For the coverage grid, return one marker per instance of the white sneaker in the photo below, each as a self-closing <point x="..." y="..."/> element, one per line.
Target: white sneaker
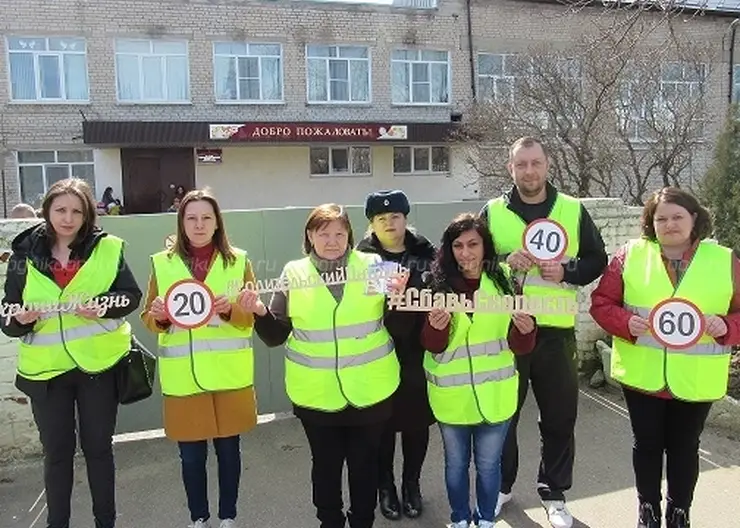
<point x="227" y="523"/>
<point x="558" y="514"/>
<point x="503" y="498"/>
<point x="200" y="523"/>
<point x="485" y="524"/>
<point x="460" y="524"/>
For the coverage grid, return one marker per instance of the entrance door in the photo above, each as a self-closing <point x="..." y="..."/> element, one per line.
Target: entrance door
<point x="150" y="177"/>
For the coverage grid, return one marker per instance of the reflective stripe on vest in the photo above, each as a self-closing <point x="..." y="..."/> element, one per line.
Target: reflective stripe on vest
<point x="342" y="347"/>
<point x="62" y="340"/>
<point x="699" y="373"/>
<point x="475" y="378"/>
<point x="507" y="230"/>
<point x="700" y="349"/>
<point x="216" y="356"/>
<point x="92" y="329"/>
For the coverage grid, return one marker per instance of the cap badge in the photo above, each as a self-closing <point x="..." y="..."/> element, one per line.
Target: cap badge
<point x="386" y="202"/>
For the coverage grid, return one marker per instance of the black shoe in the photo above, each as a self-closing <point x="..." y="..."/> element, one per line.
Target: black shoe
<point x="648" y="516"/>
<point x="389" y="505"/>
<point x="412" y="506"/>
<point x="677" y="518"/>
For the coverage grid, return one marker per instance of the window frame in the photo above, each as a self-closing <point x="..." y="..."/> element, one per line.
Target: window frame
<point x="349" y="173"/>
<point x="248" y="43"/>
<point x="409" y="62"/>
<point x="56" y="162"/>
<point x="139" y="55"/>
<point x="429" y="172"/>
<point x="37" y="73"/>
<point x="329" y="101"/>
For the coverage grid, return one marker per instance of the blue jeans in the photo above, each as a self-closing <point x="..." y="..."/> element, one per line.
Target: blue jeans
<point x="193" y="456"/>
<point x="487" y="441"/>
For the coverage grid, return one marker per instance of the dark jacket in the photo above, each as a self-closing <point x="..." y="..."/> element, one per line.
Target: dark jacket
<point x="411" y="408"/>
<point x="592" y="258"/>
<point x="33" y="244"/>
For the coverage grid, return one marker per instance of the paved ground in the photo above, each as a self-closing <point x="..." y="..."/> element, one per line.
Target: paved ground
<point x="275" y="489"/>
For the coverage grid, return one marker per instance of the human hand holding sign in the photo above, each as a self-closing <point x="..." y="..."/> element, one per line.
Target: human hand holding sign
<point x="551" y="271"/>
<point x="638" y="325"/>
<point x="87" y="312"/>
<point x="222" y="305"/>
<point x="716" y="326"/>
<point x="27" y="316"/>
<point x="157" y="311"/>
<point x="438" y="318"/>
<point x="250" y="300"/>
<point x="521" y="260"/>
<point x="523" y="322"/>
<point x="397" y="282"/>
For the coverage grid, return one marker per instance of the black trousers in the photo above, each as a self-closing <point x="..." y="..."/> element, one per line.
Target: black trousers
<point x="665" y="426"/>
<point x="94" y="401"/>
<point x="330" y="447"/>
<point x="414" y="444"/>
<point x="551" y="370"/>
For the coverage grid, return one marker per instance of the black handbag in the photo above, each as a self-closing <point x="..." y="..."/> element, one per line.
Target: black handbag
<point x="135" y="374"/>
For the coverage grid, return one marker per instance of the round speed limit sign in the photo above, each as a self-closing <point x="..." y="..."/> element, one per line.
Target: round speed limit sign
<point x="677" y="323"/>
<point x="189" y="303"/>
<point x="545" y="239"/>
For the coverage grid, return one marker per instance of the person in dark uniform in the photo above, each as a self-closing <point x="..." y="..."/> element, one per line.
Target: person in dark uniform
<point x="392" y="238"/>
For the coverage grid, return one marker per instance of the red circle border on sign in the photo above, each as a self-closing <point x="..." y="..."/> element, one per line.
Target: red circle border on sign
<point x="702" y="323"/>
<point x="540" y="221"/>
<point x="167" y="310"/>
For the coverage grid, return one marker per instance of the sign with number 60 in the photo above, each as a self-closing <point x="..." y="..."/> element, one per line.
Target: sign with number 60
<point x="189" y="303"/>
<point x="677" y="323"/>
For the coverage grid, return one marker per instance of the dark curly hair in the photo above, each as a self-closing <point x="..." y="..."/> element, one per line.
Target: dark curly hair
<point x="702" y="225"/>
<point x="445" y="268"/>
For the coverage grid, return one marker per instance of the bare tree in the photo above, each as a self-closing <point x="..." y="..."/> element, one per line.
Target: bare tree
<point x="618" y="113"/>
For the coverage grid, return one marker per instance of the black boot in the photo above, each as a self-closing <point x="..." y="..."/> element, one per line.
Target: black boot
<point x="649" y="517"/>
<point x="390" y="508"/>
<point x="676" y="517"/>
<point x="412" y="506"/>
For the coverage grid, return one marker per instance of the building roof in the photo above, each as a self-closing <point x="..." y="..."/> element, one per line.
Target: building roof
<point x="717" y="7"/>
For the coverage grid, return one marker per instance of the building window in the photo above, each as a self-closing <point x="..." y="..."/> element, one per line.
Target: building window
<point x="420" y="77"/>
<point x="496" y="76"/>
<point x="736" y="83"/>
<point x="338" y="74"/>
<point x="421" y="160"/>
<point x="340" y="161"/>
<point x="40" y="169"/>
<point x="248" y="72"/>
<point x="48" y="69"/>
<point x="152" y="71"/>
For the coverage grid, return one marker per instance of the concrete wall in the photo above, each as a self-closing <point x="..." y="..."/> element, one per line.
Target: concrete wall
<point x="17" y="431"/>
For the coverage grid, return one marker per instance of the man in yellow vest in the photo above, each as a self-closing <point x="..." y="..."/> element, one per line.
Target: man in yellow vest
<point x="551" y="367"/>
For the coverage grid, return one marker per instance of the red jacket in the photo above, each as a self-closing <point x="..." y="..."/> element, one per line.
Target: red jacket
<point x="607" y="301"/>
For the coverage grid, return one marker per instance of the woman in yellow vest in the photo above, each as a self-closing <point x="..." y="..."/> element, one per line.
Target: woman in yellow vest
<point x="206" y="373"/>
<point x="669" y="391"/>
<point x="66" y="356"/>
<point x="340" y="367"/>
<point x="472" y="378"/>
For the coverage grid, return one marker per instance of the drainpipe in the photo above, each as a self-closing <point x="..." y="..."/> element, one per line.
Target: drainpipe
<point x="733" y="27"/>
<point x="470" y="50"/>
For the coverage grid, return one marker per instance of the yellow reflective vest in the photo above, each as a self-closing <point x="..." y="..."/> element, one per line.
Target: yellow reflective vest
<point x="337" y="354"/>
<point x="475" y="379"/>
<point x="508" y="229"/>
<point x="699" y="373"/>
<point x="214" y="357"/>
<point x="60" y="340"/>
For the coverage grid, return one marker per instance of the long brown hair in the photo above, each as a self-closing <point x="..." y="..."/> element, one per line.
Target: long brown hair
<point x="220" y="240"/>
<point x="76" y="187"/>
<point x="325" y="214"/>
<point x="702" y="225"/>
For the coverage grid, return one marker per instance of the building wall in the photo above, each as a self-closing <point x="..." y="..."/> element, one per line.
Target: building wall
<point x="278" y="176"/>
<point x="505" y="25"/>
